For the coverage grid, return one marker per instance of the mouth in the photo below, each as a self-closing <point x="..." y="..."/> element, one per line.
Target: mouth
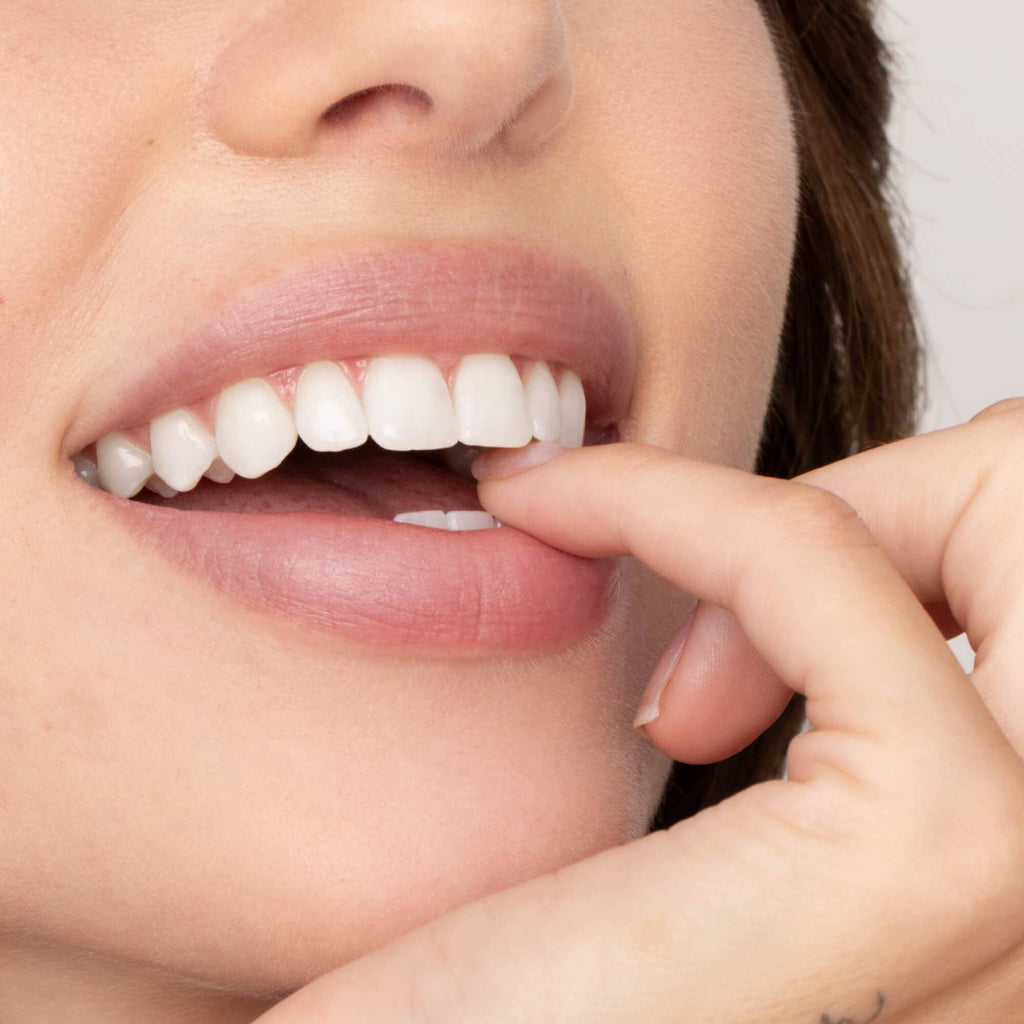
<point x="334" y="488"/>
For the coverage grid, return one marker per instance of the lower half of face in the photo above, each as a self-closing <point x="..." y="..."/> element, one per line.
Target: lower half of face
<point x="194" y="777"/>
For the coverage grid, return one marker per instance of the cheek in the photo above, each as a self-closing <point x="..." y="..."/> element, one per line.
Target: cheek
<point x="703" y="154"/>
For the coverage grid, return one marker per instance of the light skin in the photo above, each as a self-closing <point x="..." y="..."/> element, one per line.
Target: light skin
<point x="205" y="808"/>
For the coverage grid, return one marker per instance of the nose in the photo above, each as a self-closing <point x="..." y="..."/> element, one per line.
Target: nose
<point x="448" y="77"/>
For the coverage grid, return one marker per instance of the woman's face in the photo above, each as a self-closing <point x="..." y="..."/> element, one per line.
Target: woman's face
<point x="246" y="750"/>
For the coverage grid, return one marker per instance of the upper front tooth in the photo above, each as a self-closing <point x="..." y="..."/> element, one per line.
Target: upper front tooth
<point x="490" y="404"/>
<point x="407" y="404"/>
<point x="573" y="406"/>
<point x="183" y="449"/>
<point x="123" y="466"/>
<point x="255" y="430"/>
<point x="542" y="401"/>
<point x="328" y="413"/>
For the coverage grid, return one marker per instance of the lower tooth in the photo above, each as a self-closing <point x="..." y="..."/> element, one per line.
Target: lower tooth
<point x="454" y="522"/>
<point x="469" y="520"/>
<point x="434" y="519"/>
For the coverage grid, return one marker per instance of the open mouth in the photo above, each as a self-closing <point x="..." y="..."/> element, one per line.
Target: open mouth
<point x="391" y="437"/>
<point x="291" y="451"/>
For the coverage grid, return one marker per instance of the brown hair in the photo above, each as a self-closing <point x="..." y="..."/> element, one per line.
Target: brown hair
<point x="849" y="363"/>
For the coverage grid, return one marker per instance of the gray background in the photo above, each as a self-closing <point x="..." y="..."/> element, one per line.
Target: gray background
<point x="958" y="130"/>
<point x="959" y="134"/>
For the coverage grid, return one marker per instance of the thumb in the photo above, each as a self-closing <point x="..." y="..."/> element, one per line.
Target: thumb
<point x="621" y="937"/>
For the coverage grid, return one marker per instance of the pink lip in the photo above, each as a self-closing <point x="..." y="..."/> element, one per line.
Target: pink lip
<point x="429" y="298"/>
<point x="379" y="583"/>
<point x="367" y="580"/>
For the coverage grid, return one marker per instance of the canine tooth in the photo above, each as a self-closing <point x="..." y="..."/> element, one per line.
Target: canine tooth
<point x="328" y="413"/>
<point x="219" y="472"/>
<point x="469" y="520"/>
<point x="490" y="405"/>
<point x="573" y="406"/>
<point x="255" y="430"/>
<point x="183" y="449"/>
<point x="158" y="486"/>
<point x="542" y="401"/>
<point x="86" y="469"/>
<point x="122" y="465"/>
<point x="407" y="404"/>
<point x="434" y="519"/>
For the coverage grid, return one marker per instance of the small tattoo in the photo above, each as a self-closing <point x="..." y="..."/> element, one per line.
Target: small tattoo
<point x="827" y="1019"/>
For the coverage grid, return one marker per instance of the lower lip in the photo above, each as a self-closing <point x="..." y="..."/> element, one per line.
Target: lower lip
<point x="385" y="584"/>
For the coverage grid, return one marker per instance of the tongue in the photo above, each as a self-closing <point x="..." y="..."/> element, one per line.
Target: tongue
<point x="365" y="482"/>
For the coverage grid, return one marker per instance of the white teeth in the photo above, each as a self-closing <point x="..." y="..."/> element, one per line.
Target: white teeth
<point x="469" y="520"/>
<point x="454" y="522"/>
<point x="255" y="430"/>
<point x="157" y="486"/>
<point x="490" y="404"/>
<point x="123" y="466"/>
<point x="328" y="413"/>
<point x="86" y="469"/>
<point x="434" y="519"/>
<point x="183" y="449"/>
<point x="573" y="407"/>
<point x="219" y="473"/>
<point x="542" y="401"/>
<point x="407" y="404"/>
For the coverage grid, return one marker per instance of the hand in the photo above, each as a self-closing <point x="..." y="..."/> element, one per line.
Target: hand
<point x="885" y="877"/>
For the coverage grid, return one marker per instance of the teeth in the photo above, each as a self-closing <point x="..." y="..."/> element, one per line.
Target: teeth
<point x="407" y="404"/>
<point x="123" y="466"/>
<point x="454" y="522"/>
<point x="543" y="403"/>
<point x="490" y="404"/>
<point x="87" y="470"/>
<point x="434" y="519"/>
<point x="219" y="473"/>
<point x="255" y="430"/>
<point x="469" y="520"/>
<point x="328" y="413"/>
<point x="157" y="486"/>
<point x="183" y="449"/>
<point x="573" y="406"/>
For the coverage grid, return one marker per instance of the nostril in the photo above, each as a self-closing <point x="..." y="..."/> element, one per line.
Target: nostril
<point x="348" y="108"/>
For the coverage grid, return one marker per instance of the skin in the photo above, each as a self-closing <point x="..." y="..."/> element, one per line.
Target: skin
<point x="204" y="809"/>
<point x="887" y="867"/>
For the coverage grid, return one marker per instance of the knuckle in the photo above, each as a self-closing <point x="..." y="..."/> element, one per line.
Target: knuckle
<point x="811" y="516"/>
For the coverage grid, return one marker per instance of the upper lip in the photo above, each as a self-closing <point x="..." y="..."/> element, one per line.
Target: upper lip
<point x="429" y="298"/>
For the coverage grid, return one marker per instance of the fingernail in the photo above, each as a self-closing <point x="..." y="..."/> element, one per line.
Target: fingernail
<point x="650" y="703"/>
<point x="507" y="461"/>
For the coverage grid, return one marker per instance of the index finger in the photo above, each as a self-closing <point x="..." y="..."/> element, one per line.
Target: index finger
<point x="810" y="587"/>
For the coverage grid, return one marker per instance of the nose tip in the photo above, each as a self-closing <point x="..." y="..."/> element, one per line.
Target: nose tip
<point x="422" y="75"/>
